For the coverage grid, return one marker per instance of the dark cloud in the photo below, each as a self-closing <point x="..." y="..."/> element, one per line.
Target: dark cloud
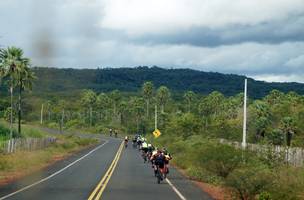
<point x="289" y="29"/>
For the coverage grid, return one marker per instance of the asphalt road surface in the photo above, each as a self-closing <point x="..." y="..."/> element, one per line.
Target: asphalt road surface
<point x="108" y="171"/>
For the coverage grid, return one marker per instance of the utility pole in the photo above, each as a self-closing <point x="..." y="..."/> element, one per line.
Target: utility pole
<point x="245" y="116"/>
<point x="41" y="115"/>
<point x="155" y="117"/>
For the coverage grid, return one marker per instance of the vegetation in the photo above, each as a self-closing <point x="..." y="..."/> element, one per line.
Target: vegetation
<point x="60" y="81"/>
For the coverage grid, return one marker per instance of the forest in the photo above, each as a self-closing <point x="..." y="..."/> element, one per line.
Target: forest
<point x="56" y="80"/>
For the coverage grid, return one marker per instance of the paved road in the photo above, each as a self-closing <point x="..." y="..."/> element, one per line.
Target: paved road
<point x="76" y="178"/>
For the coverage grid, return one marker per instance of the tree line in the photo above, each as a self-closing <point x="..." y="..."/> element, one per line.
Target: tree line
<point x="275" y="118"/>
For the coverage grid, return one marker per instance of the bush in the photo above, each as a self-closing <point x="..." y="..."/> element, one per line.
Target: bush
<point x="53" y="125"/>
<point x="84" y="141"/>
<point x="7" y="114"/>
<point x="75" y="123"/>
<point x="68" y="145"/>
<point x="288" y="183"/>
<point x="276" y="137"/>
<point x="220" y="159"/>
<point x="203" y="175"/>
<point x="5" y="132"/>
<point x="249" y="181"/>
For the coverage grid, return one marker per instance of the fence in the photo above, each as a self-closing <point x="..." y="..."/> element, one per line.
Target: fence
<point x="25" y="144"/>
<point x="291" y="155"/>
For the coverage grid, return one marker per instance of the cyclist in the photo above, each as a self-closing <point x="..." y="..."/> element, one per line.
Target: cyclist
<point x="168" y="157"/>
<point x="139" y="142"/>
<point x="134" y="141"/>
<point x="144" y="149"/>
<point x="150" y="150"/>
<point x="126" y="141"/>
<point x="159" y="163"/>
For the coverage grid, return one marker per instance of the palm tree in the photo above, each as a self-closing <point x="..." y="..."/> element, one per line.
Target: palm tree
<point x="147" y="90"/>
<point x="288" y="127"/>
<point x="163" y="95"/>
<point x="102" y="102"/>
<point x="25" y="78"/>
<point x="115" y="96"/>
<point x="11" y="62"/>
<point x="89" y="100"/>
<point x="189" y="97"/>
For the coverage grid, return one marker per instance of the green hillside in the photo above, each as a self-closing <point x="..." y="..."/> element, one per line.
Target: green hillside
<point x="131" y="79"/>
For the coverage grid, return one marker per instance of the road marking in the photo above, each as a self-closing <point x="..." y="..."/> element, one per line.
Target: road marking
<point x="54" y="174"/>
<point x="97" y="192"/>
<point x="175" y="190"/>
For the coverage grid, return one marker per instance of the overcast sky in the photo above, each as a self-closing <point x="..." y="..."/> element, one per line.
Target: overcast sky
<point x="263" y="39"/>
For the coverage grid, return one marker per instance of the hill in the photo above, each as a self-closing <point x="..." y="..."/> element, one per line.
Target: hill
<point x="130" y="79"/>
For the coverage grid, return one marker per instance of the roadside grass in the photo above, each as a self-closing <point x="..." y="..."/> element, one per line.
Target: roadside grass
<point x="245" y="175"/>
<point x="16" y="165"/>
<point x="26" y="131"/>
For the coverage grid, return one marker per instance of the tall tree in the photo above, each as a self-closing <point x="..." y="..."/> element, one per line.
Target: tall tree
<point x="11" y="62"/>
<point x="288" y="127"/>
<point x="122" y="111"/>
<point x="24" y="80"/>
<point x="88" y="100"/>
<point x="102" y="103"/>
<point x="136" y="107"/>
<point x="115" y="96"/>
<point x="147" y="91"/>
<point x="189" y="96"/>
<point x="163" y="96"/>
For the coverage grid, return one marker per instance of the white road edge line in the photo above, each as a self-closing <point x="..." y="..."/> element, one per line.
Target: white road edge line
<point x="175" y="190"/>
<point x="54" y="174"/>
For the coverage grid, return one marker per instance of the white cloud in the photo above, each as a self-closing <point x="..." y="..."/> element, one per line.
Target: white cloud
<point x="262" y="39"/>
<point x="280" y="78"/>
<point x="138" y="17"/>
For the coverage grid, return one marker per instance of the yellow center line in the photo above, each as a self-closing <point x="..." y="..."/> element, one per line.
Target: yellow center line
<point x="104" y="181"/>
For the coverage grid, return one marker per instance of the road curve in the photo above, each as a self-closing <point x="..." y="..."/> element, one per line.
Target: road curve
<point x="76" y="177"/>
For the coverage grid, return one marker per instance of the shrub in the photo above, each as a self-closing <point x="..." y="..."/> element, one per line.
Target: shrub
<point x="75" y="123"/>
<point x="249" y="181"/>
<point x="276" y="137"/>
<point x="53" y="125"/>
<point x="84" y="141"/>
<point x="203" y="175"/>
<point x="68" y="145"/>
<point x="7" y="114"/>
<point x="288" y="183"/>
<point x="220" y="159"/>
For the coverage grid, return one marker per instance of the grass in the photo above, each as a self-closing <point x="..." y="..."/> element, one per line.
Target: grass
<point x="26" y="131"/>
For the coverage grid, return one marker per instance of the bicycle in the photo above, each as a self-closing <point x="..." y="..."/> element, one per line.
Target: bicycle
<point x="144" y="156"/>
<point x="160" y="174"/>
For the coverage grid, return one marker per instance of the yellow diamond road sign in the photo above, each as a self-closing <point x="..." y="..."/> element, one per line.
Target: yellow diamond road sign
<point x="156" y="133"/>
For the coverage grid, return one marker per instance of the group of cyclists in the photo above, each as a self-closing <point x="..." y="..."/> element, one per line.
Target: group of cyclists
<point x="158" y="157"/>
<point x="113" y="132"/>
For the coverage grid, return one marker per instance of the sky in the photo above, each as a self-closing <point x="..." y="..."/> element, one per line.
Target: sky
<point x="263" y="39"/>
